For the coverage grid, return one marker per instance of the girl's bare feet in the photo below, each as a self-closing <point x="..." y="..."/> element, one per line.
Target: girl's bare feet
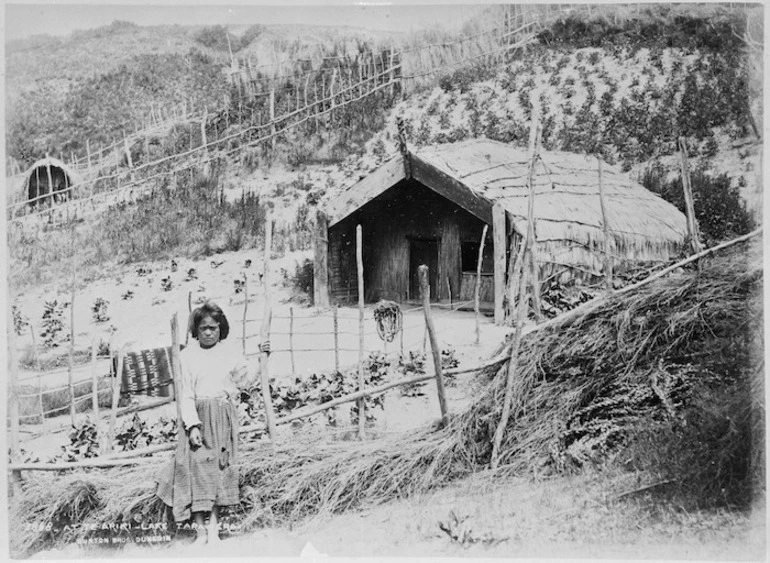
<point x="202" y="538"/>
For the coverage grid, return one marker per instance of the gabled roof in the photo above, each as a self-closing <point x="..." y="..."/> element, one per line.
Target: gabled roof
<point x="478" y="173"/>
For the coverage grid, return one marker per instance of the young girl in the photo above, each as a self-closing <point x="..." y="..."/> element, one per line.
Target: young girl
<point x="202" y="476"/>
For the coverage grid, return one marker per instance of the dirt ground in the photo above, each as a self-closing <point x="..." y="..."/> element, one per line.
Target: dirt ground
<point x="144" y="322"/>
<point x="566" y="518"/>
<point x="563" y="517"/>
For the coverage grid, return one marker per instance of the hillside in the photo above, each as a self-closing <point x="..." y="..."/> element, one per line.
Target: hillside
<point x="637" y="419"/>
<point x="102" y="84"/>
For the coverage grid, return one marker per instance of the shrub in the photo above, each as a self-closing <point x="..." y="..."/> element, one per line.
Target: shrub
<point x="719" y="209"/>
<point x="302" y="280"/>
<point x="216" y="37"/>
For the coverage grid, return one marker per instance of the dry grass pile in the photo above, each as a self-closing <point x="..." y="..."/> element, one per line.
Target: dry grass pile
<point x="664" y="379"/>
<point x="659" y="381"/>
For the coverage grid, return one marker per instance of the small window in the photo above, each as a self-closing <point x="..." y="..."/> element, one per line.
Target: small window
<point x="470" y="257"/>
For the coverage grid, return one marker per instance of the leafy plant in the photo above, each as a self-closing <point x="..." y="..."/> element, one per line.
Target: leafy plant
<point x="19" y="320"/>
<point x="52" y="324"/>
<point x="99" y="310"/>
<point x="136" y="434"/>
<point x="83" y="443"/>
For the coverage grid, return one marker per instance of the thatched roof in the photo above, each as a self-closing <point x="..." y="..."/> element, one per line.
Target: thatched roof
<point x="478" y="173"/>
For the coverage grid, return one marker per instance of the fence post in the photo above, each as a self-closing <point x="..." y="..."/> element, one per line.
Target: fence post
<point x="265" y="331"/>
<point x="115" y="399"/>
<point x="360" y="270"/>
<point x="692" y="224"/>
<point x="245" y="310"/>
<point x="606" y="228"/>
<point x="70" y="363"/>
<point x="203" y="130"/>
<point x="321" y="260"/>
<point x="531" y="240"/>
<point x="39" y="374"/>
<point x="291" y="339"/>
<point x="336" y="340"/>
<point x="176" y="375"/>
<point x="13" y="406"/>
<point x="478" y="280"/>
<point x="95" y="388"/>
<point x="272" y="118"/>
<point x="425" y="294"/>
<point x="498" y="240"/>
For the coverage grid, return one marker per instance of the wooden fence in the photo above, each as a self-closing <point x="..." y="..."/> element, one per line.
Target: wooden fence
<point x="111" y="176"/>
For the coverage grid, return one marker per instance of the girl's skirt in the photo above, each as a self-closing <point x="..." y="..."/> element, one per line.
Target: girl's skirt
<point x="198" y="479"/>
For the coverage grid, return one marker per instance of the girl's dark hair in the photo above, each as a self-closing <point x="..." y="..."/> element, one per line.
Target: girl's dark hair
<point x="208" y="310"/>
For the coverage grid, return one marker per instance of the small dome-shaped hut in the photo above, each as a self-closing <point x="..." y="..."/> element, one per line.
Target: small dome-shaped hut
<point x="48" y="179"/>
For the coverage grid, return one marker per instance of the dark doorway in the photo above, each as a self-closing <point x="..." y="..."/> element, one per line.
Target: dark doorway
<point x="423" y="251"/>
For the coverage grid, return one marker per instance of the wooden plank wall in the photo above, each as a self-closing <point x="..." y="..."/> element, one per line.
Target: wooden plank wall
<point x="407" y="211"/>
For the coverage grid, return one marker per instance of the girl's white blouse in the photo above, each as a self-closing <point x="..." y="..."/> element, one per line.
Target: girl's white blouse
<point x="217" y="372"/>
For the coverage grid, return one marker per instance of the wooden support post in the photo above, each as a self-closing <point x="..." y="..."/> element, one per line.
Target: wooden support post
<point x="128" y="152"/>
<point x="115" y="400"/>
<point x="321" y="260"/>
<point x="498" y="239"/>
<point x="360" y="270"/>
<point x="531" y="240"/>
<point x="71" y="359"/>
<point x="13" y="404"/>
<point x="204" y="142"/>
<point x="39" y="369"/>
<point x="606" y="229"/>
<point x="425" y="294"/>
<point x="520" y="309"/>
<point x="245" y="311"/>
<point x="50" y="179"/>
<point x="94" y="385"/>
<point x="478" y="281"/>
<point x="403" y="149"/>
<point x="689" y="204"/>
<point x="176" y="375"/>
<point x="291" y="340"/>
<point x="336" y="339"/>
<point x="272" y="118"/>
<point x="265" y="331"/>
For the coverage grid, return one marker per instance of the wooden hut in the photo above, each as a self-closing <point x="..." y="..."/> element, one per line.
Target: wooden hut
<point x="429" y="206"/>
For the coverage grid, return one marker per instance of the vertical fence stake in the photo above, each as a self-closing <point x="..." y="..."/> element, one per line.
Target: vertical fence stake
<point x="265" y="331"/>
<point x="72" y="334"/>
<point x="360" y="269"/>
<point x="38" y="367"/>
<point x="176" y="375"/>
<point x="336" y="340"/>
<point x="692" y="223"/>
<point x="606" y="228"/>
<point x="272" y="118"/>
<point x="95" y="388"/>
<point x="245" y="310"/>
<point x="115" y="399"/>
<point x="425" y="293"/>
<point x="13" y="406"/>
<point x="291" y="339"/>
<point x="478" y="280"/>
